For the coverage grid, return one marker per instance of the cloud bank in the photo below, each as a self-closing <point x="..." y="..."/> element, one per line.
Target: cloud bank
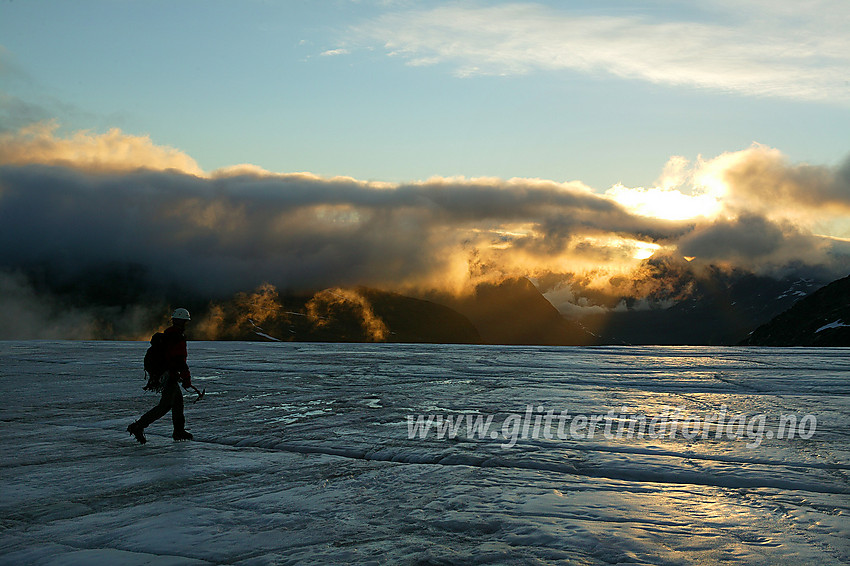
<point x="797" y="50"/>
<point x="72" y="207"/>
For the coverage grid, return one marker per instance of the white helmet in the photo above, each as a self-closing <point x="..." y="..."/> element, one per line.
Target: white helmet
<point x="181" y="314"/>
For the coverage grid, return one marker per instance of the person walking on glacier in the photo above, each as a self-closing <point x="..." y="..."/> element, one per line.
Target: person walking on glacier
<point x="166" y="363"/>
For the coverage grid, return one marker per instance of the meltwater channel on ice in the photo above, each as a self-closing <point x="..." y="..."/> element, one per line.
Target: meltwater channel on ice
<point x="428" y="454"/>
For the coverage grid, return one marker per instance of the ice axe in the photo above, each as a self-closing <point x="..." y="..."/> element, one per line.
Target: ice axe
<point x="200" y="393"/>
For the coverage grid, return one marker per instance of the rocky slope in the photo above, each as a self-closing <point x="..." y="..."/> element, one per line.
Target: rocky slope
<point x="822" y="319"/>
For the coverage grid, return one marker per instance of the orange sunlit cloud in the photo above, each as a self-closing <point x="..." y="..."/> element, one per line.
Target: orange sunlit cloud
<point x="236" y="228"/>
<point x="112" y="151"/>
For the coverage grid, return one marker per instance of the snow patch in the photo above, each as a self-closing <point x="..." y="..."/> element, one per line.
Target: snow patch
<point x="835" y="324"/>
<point x="259" y="332"/>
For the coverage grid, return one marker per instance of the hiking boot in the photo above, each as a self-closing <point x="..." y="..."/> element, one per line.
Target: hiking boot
<point x="138" y="431"/>
<point x="181" y="435"/>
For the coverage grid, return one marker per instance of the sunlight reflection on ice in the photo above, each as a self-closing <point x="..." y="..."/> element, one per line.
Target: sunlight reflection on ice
<point x="302" y="454"/>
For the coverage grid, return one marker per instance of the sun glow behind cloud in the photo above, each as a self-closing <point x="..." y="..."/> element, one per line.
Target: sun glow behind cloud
<point x="669" y="204"/>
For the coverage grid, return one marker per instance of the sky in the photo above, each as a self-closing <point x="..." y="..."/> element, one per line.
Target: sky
<point x="410" y="144"/>
<point x="601" y="92"/>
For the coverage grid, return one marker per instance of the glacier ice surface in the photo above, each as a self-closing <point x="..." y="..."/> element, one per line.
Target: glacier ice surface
<point x="302" y="455"/>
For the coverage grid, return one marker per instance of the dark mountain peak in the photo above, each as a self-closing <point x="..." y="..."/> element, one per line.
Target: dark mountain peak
<point x="821" y="319"/>
<point x="514" y="311"/>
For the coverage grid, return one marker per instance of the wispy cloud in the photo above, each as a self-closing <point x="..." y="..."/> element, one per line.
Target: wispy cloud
<point x="334" y="52"/>
<point x="799" y="50"/>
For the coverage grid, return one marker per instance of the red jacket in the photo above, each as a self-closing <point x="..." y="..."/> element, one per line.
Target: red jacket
<point x="177" y="354"/>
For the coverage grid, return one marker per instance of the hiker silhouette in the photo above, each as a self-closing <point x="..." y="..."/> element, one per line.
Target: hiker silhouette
<point x="176" y="373"/>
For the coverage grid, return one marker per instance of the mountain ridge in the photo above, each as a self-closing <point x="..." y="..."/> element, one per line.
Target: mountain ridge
<point x="820" y="319"/>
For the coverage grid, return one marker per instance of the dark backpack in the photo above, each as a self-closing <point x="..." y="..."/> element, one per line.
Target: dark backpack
<point x="156" y="362"/>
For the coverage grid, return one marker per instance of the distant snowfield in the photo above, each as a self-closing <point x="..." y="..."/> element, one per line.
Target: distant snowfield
<point x="302" y="456"/>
